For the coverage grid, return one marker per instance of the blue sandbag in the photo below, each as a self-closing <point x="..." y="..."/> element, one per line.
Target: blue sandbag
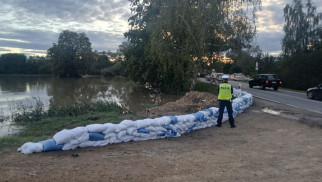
<point x="238" y="109"/>
<point x="211" y="112"/>
<point x="200" y="117"/>
<point x="143" y="130"/>
<point x="174" y="120"/>
<point x="163" y="133"/>
<point x="50" y="145"/>
<point x="190" y="128"/>
<point x="170" y="135"/>
<point x="174" y="132"/>
<point x="95" y="136"/>
<point x="167" y="127"/>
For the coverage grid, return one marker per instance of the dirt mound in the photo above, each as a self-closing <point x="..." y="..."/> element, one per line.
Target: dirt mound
<point x="192" y="102"/>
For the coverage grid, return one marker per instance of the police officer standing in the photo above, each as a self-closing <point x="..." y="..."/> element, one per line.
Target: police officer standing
<point x="224" y="97"/>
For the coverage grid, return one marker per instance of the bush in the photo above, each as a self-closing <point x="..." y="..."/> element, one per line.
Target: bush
<point x="33" y="110"/>
<point x="114" y="70"/>
<point x="206" y="87"/>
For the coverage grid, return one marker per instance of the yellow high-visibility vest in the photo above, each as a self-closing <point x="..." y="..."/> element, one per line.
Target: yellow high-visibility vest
<point x="225" y="92"/>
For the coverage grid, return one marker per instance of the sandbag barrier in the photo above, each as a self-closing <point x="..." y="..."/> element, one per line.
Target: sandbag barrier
<point x="164" y="127"/>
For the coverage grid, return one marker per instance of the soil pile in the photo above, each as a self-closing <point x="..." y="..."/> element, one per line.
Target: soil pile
<point x="192" y="102"/>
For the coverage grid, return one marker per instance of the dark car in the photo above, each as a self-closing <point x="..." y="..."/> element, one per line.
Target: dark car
<point x="315" y="92"/>
<point x="265" y="80"/>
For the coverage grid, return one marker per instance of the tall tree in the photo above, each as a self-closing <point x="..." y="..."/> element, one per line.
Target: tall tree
<point x="169" y="37"/>
<point x="301" y="60"/>
<point x="300" y="27"/>
<point x="13" y="63"/>
<point x="71" y="55"/>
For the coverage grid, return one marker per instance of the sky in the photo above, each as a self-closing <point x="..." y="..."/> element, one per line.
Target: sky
<point x="32" y="26"/>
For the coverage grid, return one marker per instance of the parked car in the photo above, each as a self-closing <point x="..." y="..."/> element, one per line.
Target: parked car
<point x="315" y="92"/>
<point x="265" y="80"/>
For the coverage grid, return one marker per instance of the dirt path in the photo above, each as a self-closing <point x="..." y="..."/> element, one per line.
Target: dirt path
<point x="272" y="142"/>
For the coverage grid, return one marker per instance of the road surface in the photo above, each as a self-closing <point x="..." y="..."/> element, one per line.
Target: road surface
<point x="286" y="97"/>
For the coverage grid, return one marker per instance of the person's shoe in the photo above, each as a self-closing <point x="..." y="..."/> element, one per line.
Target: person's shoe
<point x="233" y="126"/>
<point x="218" y="125"/>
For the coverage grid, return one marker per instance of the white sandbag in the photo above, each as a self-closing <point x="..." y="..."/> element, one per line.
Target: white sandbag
<point x="151" y="122"/>
<point x="80" y="139"/>
<point x="136" y="134"/>
<point x="69" y="146"/>
<point x="94" y="143"/>
<point x="110" y="135"/>
<point x="66" y="136"/>
<point x="165" y="120"/>
<point x="114" y="140"/>
<point x="152" y="128"/>
<point x="110" y="128"/>
<point x="79" y="131"/>
<point x="127" y="138"/>
<point x="74" y="143"/>
<point x="238" y="100"/>
<point x="63" y="136"/>
<point x="30" y="147"/>
<point x="189" y="117"/>
<point x="120" y="127"/>
<point x="96" y="127"/>
<point x="130" y="130"/>
<point x="121" y="134"/>
<point x="141" y="124"/>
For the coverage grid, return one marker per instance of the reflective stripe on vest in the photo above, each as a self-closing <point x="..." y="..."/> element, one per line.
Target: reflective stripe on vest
<point x="225" y="91"/>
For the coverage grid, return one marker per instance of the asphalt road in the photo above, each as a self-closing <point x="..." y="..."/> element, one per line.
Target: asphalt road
<point x="286" y="97"/>
<point x="290" y="98"/>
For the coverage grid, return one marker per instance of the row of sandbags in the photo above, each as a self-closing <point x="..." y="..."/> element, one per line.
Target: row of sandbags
<point x="128" y="130"/>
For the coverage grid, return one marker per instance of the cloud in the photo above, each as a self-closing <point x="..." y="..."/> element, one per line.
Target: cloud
<point x="4" y="49"/>
<point x="270" y="42"/>
<point x="71" y="10"/>
<point x="103" y="41"/>
<point x="36" y="24"/>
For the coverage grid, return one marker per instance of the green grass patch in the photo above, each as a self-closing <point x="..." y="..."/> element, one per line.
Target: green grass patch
<point x="206" y="87"/>
<point x="64" y="117"/>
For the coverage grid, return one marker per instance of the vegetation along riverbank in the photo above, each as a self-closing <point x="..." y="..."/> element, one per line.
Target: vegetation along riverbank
<point x="38" y="124"/>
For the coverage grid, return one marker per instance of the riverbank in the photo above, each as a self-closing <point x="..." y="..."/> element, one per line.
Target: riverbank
<point x="272" y="142"/>
<point x="36" y="123"/>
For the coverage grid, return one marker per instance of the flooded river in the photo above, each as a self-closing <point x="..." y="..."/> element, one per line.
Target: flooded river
<point x="25" y="89"/>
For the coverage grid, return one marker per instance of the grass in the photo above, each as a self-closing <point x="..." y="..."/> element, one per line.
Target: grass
<point x="47" y="123"/>
<point x="206" y="87"/>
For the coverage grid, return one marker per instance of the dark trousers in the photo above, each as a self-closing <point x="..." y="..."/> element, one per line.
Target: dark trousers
<point x="222" y="105"/>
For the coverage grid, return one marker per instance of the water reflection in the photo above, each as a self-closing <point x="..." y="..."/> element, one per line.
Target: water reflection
<point x="122" y="91"/>
<point x="65" y="91"/>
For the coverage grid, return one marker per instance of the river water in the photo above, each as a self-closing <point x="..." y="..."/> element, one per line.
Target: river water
<point x="62" y="91"/>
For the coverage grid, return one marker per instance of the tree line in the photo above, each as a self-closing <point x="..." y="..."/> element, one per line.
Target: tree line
<point x="71" y="56"/>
